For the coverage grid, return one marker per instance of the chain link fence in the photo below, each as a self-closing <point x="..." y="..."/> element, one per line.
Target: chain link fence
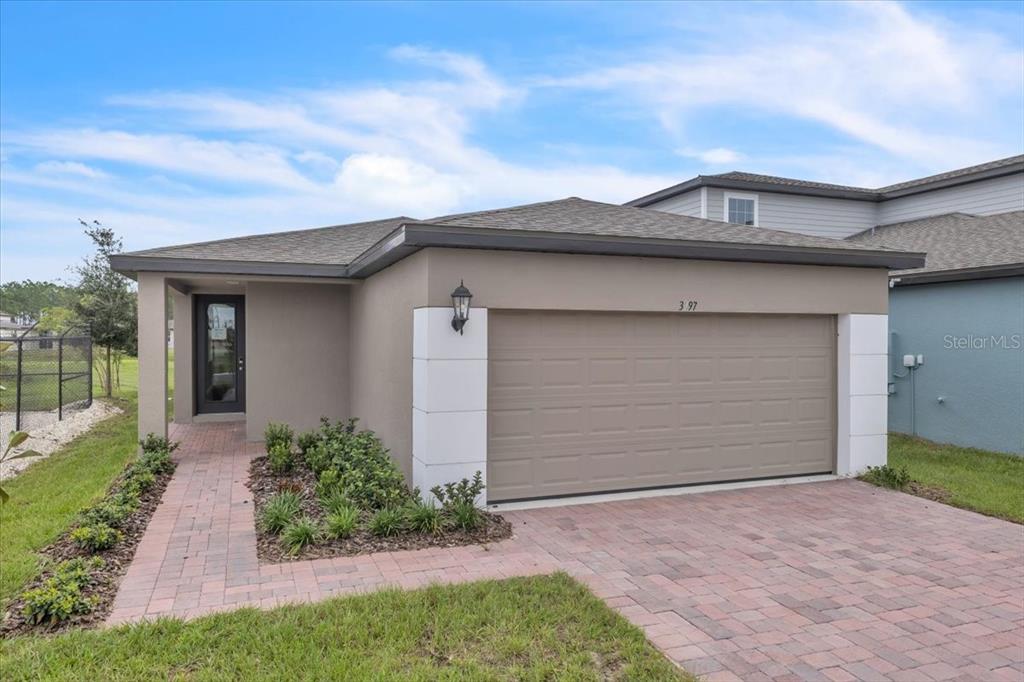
<point x="45" y="377"/>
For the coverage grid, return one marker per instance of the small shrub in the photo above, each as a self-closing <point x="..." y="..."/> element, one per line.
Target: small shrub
<point x="78" y="569"/>
<point x="342" y="522"/>
<point x="125" y="498"/>
<point x="465" y="515"/>
<point x="280" y="457"/>
<point x="387" y="522"/>
<point x="157" y="462"/>
<point x="307" y="441"/>
<point x="278" y="434"/>
<point x="139" y="478"/>
<point x="96" y="537"/>
<point x="889" y="477"/>
<point x="465" y="491"/>
<point x="153" y="443"/>
<point x="56" y="600"/>
<point x="107" y="513"/>
<point x="335" y="500"/>
<point x="300" y="534"/>
<point x="328" y="484"/>
<point x="280" y="510"/>
<point x="424" y="517"/>
<point x="318" y="458"/>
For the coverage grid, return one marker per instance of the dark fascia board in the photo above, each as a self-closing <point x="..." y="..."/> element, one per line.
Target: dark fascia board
<point x="962" y="275"/>
<point x="777" y="188"/>
<point x="421" y="235"/>
<point x="128" y="264"/>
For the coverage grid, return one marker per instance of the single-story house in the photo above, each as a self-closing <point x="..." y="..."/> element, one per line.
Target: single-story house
<point x="956" y="329"/>
<point x="605" y="348"/>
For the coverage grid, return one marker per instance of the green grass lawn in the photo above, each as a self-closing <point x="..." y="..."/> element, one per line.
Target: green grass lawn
<point x="46" y="496"/>
<point x="538" y="628"/>
<point x="987" y="482"/>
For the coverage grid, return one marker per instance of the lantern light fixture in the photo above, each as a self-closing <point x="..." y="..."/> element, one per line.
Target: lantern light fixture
<point x="460" y="306"/>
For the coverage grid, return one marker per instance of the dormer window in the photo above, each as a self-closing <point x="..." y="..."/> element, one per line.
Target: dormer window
<point x="741" y="209"/>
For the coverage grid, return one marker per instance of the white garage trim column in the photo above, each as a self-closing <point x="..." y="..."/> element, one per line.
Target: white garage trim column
<point x="449" y="398"/>
<point x="863" y="401"/>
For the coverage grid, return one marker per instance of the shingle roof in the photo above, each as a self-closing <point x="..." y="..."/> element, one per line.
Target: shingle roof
<point x="334" y="245"/>
<point x="758" y="182"/>
<point x="955" y="241"/>
<point x="346" y="250"/>
<point x="949" y="175"/>
<point x="580" y="216"/>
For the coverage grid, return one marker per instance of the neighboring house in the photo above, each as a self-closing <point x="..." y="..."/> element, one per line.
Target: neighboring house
<point x="839" y="211"/>
<point x="12" y="326"/>
<point x="963" y="316"/>
<point x="607" y="348"/>
<point x="970" y="223"/>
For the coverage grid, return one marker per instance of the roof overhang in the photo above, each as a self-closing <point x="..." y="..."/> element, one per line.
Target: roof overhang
<point x="409" y="238"/>
<point x="834" y="193"/>
<point x="961" y="275"/>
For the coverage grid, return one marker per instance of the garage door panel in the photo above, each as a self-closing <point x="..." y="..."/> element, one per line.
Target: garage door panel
<point x="590" y="402"/>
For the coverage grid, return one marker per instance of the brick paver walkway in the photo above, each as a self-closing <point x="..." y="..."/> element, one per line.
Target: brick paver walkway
<point x="822" y="581"/>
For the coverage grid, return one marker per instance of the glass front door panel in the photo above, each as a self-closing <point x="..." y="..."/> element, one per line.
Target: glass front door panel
<point x="221" y="353"/>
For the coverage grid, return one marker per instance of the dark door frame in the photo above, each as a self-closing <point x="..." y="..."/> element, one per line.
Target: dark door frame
<point x="199" y="347"/>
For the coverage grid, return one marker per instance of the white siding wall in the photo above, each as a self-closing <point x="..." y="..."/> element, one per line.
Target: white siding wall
<point x="984" y="197"/>
<point x="683" y="204"/>
<point x="818" y="216"/>
<point x="715" y="198"/>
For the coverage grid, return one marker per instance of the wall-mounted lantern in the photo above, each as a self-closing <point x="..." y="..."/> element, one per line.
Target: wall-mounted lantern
<point x="460" y="305"/>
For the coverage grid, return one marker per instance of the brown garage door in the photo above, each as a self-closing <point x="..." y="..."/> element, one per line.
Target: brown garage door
<point x="594" y="402"/>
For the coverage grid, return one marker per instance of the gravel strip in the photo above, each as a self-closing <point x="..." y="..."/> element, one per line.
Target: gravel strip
<point x="48" y="439"/>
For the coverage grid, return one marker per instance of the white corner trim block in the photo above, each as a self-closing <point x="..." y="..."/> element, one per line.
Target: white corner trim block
<point x="862" y="427"/>
<point x="449" y="403"/>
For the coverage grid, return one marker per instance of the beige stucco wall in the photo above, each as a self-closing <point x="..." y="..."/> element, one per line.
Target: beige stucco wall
<point x="152" y="350"/>
<point x="296" y="355"/>
<point x="184" y="396"/>
<point x="381" y="352"/>
<point x="539" y="281"/>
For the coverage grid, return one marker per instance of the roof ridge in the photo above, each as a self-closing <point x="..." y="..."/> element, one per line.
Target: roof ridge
<point x="494" y="211"/>
<point x="143" y="252"/>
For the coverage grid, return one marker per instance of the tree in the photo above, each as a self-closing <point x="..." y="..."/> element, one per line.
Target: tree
<point x="27" y="299"/>
<point x="107" y="301"/>
<point x="56" y="319"/>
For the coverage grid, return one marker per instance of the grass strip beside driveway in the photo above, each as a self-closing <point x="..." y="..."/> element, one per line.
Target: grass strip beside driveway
<point x="537" y="628"/>
<point x="987" y="482"/>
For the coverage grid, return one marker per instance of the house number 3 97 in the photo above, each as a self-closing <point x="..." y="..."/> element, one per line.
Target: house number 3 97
<point x="687" y="306"/>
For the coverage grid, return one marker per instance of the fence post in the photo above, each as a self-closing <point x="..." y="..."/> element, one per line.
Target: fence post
<point x="60" y="378"/>
<point x="17" y="394"/>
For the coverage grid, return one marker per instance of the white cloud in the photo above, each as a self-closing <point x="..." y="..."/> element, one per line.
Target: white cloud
<point x="69" y="168"/>
<point x="395" y="185"/>
<point x="715" y="156"/>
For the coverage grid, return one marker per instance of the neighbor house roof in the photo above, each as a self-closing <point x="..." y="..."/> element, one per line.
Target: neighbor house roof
<point x="959" y="246"/>
<point x="566" y="226"/>
<point x="772" y="183"/>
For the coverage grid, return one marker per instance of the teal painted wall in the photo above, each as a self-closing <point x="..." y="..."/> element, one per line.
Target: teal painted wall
<point x="972" y="337"/>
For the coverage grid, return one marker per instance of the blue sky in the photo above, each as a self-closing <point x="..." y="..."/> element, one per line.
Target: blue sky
<point x="184" y="122"/>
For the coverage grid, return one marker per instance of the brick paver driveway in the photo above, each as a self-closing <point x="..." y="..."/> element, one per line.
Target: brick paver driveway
<point x="836" y="580"/>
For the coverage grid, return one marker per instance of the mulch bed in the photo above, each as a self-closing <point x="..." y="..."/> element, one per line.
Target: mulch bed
<point x="936" y="493"/>
<point x="264" y="484"/>
<point x="108" y="579"/>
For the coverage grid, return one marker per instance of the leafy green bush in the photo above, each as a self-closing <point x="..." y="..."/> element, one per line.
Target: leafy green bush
<point x="307" y="441"/>
<point x="139" y="478"/>
<point x="465" y="515"/>
<point x="387" y="522"/>
<point x="300" y="534"/>
<point x="154" y="443"/>
<point x="96" y="537"/>
<point x="278" y="434"/>
<point x="889" y="477"/>
<point x="60" y="596"/>
<point x="342" y="522"/>
<point x="280" y="456"/>
<point x="107" y="513"/>
<point x="157" y="462"/>
<point x="424" y="517"/>
<point x="451" y="495"/>
<point x="280" y="510"/>
<point x="318" y="457"/>
<point x="125" y="498"/>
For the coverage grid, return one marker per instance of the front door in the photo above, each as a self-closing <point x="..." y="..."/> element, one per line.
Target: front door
<point x="220" y="353"/>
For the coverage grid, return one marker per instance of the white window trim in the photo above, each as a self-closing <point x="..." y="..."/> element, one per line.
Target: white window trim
<point x="739" y="195"/>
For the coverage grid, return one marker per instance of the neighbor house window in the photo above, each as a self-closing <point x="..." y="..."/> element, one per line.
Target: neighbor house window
<point x="741" y="208"/>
